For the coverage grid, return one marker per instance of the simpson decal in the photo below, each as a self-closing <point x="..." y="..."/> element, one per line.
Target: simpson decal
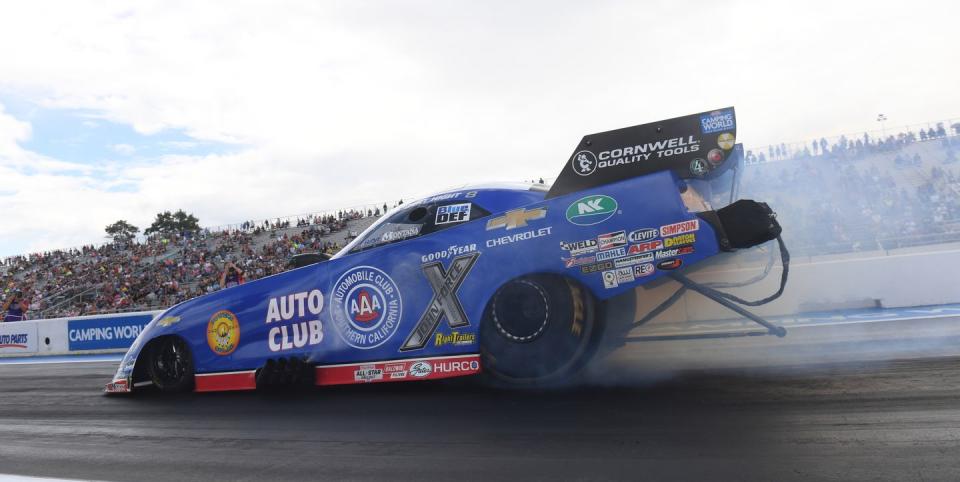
<point x="680" y="228"/>
<point x="366" y="307"/>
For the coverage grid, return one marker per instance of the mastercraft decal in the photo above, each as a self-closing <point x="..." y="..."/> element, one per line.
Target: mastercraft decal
<point x="716" y="121"/>
<point x="223" y="332"/>
<point x="444" y="303"/>
<point x="591" y="210"/>
<point x="107" y="332"/>
<point x="453" y="213"/>
<point x="366" y="308"/>
<point x="304" y="310"/>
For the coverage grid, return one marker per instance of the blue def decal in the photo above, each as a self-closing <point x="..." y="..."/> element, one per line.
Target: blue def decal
<point x="105" y="333"/>
<point x="716" y="121"/>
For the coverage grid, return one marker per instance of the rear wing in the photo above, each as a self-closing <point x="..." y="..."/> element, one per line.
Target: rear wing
<point x="696" y="146"/>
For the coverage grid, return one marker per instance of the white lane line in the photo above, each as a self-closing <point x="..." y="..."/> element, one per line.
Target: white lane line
<point x="24" y="478"/>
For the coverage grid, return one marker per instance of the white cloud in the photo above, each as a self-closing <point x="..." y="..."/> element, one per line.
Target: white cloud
<point x="342" y="103"/>
<point x="124" y="149"/>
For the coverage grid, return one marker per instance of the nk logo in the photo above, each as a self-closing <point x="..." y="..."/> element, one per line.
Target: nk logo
<point x="444" y="302"/>
<point x="591" y="210"/>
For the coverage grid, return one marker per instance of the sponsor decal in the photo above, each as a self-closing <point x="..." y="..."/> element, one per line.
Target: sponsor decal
<point x="105" y="333"/>
<point x="223" y="332"/>
<point x="680" y="240"/>
<point x="444" y="303"/>
<point x="680" y="228"/>
<point x="304" y="309"/>
<point x="670" y="264"/>
<point x="591" y="210"/>
<point x="399" y="234"/>
<point x="453" y="213"/>
<point x="593" y="268"/>
<point x="442" y="197"/>
<point x="577" y="248"/>
<point x="612" y="240"/>
<point x="726" y="141"/>
<point x="670" y="253"/>
<point x="610" y="279"/>
<point x="716" y="121"/>
<point x="645" y="247"/>
<point x="448" y="253"/>
<point x="645" y="269"/>
<point x="517" y="218"/>
<point x="421" y="369"/>
<point x="613" y="253"/>
<point x="637" y="153"/>
<point x="366" y="308"/>
<point x="574" y="262"/>
<point x="18" y="337"/>
<point x="117" y="386"/>
<point x="368" y="373"/>
<point x="715" y="157"/>
<point x="513" y="238"/>
<point x="641" y="235"/>
<point x="455" y="338"/>
<point x="397" y="370"/>
<point x="699" y="168"/>
<point x="625" y="275"/>
<point x="632" y="260"/>
<point x="584" y="163"/>
<point x="168" y="321"/>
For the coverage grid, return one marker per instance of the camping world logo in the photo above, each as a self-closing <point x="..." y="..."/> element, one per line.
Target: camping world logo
<point x="366" y="307"/>
<point x="591" y="210"/>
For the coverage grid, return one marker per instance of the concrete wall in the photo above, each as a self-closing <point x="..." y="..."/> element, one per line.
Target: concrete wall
<point x="53" y="336"/>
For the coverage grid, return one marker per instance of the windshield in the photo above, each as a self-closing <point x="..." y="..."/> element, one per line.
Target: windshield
<point x="407" y="222"/>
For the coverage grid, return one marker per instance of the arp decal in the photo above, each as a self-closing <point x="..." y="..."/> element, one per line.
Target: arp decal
<point x="223" y="332"/>
<point x="591" y="210"/>
<point x="444" y="302"/>
<point x="645" y="246"/>
<point x="516" y="218"/>
<point x="453" y="213"/>
<point x="367" y="307"/>
<point x="304" y="310"/>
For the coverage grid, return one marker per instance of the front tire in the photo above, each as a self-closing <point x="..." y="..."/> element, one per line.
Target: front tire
<point x="170" y="365"/>
<point x="537" y="329"/>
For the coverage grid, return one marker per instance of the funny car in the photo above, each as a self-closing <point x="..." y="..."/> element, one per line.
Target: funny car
<point x="506" y="279"/>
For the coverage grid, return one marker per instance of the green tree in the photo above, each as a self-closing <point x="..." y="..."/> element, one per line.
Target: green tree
<point x="122" y="231"/>
<point x="178" y="222"/>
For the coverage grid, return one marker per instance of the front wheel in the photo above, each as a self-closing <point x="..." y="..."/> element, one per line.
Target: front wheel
<point x="538" y="328"/>
<point x="170" y="365"/>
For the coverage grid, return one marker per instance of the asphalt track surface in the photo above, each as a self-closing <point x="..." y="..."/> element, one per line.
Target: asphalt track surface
<point x="853" y="402"/>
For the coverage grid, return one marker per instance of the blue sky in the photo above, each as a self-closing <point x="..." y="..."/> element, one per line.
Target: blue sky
<point x="118" y="110"/>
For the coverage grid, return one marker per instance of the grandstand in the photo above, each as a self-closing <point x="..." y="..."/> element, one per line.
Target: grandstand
<point x="838" y="196"/>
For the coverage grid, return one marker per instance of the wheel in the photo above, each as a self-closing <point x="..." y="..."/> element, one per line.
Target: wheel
<point x="170" y="365"/>
<point x="538" y="328"/>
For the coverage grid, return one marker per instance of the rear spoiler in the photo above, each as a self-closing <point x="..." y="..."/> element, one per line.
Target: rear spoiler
<point x="696" y="146"/>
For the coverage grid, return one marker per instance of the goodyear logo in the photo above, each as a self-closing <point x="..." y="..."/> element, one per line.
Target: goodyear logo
<point x="591" y="210"/>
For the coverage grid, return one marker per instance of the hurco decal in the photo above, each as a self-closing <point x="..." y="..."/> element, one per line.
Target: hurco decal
<point x="444" y="366"/>
<point x="513" y="238"/>
<point x="716" y="121"/>
<point x="444" y="303"/>
<point x="453" y="213"/>
<point x="454" y="338"/>
<point x="303" y="307"/>
<point x="641" y="235"/>
<point x="577" y="248"/>
<point x="517" y="218"/>
<point x="591" y="210"/>
<point x="223" y="332"/>
<point x="366" y="307"/>
<point x="679" y="240"/>
<point x="680" y="228"/>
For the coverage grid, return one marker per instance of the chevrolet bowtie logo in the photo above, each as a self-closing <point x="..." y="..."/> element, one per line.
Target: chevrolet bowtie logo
<point x="517" y="218"/>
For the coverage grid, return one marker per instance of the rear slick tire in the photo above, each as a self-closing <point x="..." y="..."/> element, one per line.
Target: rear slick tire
<point x="538" y="329"/>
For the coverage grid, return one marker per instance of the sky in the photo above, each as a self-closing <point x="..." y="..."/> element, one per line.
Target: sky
<point x="240" y="110"/>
